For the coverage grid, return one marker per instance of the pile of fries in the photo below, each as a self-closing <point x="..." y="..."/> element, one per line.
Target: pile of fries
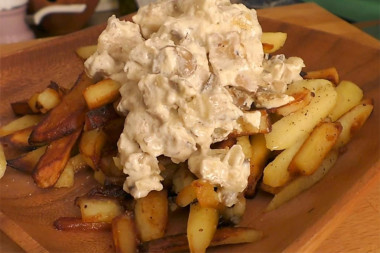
<point x="60" y="132"/>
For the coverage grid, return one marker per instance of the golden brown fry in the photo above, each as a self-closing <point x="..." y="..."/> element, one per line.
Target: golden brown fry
<point x="330" y="74"/>
<point x="91" y="145"/>
<point x="101" y="93"/>
<point x="223" y="236"/>
<point x="99" y="208"/>
<point x="200" y="190"/>
<point x="20" y="123"/>
<point x="86" y="51"/>
<point x="124" y="233"/>
<point x="18" y="139"/>
<point x="301" y="99"/>
<point x="151" y="215"/>
<point x="47" y="100"/>
<point x="27" y="162"/>
<point x="259" y="157"/>
<point x="99" y="117"/>
<point x="76" y="224"/>
<point x="65" y="118"/>
<point x="272" y="41"/>
<point x="246" y="128"/>
<point x="52" y="163"/>
<point x="314" y="150"/>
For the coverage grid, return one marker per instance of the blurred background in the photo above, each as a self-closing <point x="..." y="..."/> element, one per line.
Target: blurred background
<point x="22" y="20"/>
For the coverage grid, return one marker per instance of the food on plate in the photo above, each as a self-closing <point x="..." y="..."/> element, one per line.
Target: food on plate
<point x="187" y="107"/>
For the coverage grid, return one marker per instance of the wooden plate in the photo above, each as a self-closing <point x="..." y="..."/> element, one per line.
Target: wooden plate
<point x="296" y="226"/>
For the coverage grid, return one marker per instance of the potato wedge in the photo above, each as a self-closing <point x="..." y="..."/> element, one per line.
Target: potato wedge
<point x="315" y="148"/>
<point x="101" y="93"/>
<point x="303" y="183"/>
<point x="276" y="172"/>
<point x="18" y="139"/>
<point x="53" y="162"/>
<point x="151" y="215"/>
<point x="272" y="41"/>
<point x="301" y="99"/>
<point x="124" y="234"/>
<point x="65" y="118"/>
<point x="76" y="224"/>
<point x="353" y="120"/>
<point x="201" y="227"/>
<point x="330" y="74"/>
<point x="20" y="123"/>
<point x="28" y="161"/>
<point x="223" y="236"/>
<point x="349" y="95"/>
<point x="90" y="147"/>
<point x="99" y="117"/>
<point x="290" y="129"/>
<point x="259" y="157"/>
<point x="99" y="209"/>
<point x="3" y="162"/>
<point x="86" y="51"/>
<point x="47" y="100"/>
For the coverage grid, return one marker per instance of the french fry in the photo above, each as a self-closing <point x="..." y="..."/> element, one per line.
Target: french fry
<point x="272" y="41"/>
<point x="99" y="117"/>
<point x="222" y="236"/>
<point x="52" y="163"/>
<point x="86" y="51"/>
<point x="200" y="190"/>
<point x="99" y="209"/>
<point x="330" y="74"/>
<point x="32" y="102"/>
<point x="276" y="172"/>
<point x="301" y="99"/>
<point x="247" y="128"/>
<point x="259" y="157"/>
<point x="3" y="162"/>
<point x="76" y="224"/>
<point x="124" y="233"/>
<point x="303" y="183"/>
<point x="91" y="145"/>
<point x="349" y="95"/>
<point x="314" y="150"/>
<point x="28" y="161"/>
<point x="353" y="120"/>
<point x="65" y="118"/>
<point x="20" y="123"/>
<point x="151" y="215"/>
<point x="201" y="227"/>
<point x="289" y="130"/>
<point x="66" y="179"/>
<point x="21" y="108"/>
<point x="47" y="100"/>
<point x="18" y="139"/>
<point x="101" y="93"/>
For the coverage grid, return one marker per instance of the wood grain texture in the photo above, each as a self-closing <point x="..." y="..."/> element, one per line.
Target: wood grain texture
<point x="294" y="226"/>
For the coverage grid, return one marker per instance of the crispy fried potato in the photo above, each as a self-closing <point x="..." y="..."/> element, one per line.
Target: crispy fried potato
<point x="301" y="99"/>
<point x="18" y="139"/>
<point x="201" y="227"/>
<point x="3" y="162"/>
<point x="259" y="157"/>
<point x="272" y="41"/>
<point x="76" y="224"/>
<point x="124" y="233"/>
<point x="276" y="172"/>
<point x="28" y="161"/>
<point x="21" y="108"/>
<point x="302" y="183"/>
<point x="151" y="215"/>
<point x="108" y="166"/>
<point x="290" y="129"/>
<point x="245" y="144"/>
<point x="330" y="74"/>
<point x="247" y="125"/>
<point x="200" y="190"/>
<point x="227" y="143"/>
<point x="101" y="93"/>
<point x="66" y="179"/>
<point x="353" y="120"/>
<point x="32" y="102"/>
<point x="53" y="162"/>
<point x="99" y="117"/>
<point x="223" y="236"/>
<point x="65" y="118"/>
<point x="20" y="123"/>
<point x="91" y="145"/>
<point x="98" y="208"/>
<point x="47" y="100"/>
<point x="314" y="150"/>
<point x="349" y="95"/>
<point x="86" y="51"/>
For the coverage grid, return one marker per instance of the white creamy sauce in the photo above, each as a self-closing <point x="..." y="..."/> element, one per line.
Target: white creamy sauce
<point x="182" y="78"/>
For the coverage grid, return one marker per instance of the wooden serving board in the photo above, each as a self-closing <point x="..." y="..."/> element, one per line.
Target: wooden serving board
<point x="28" y="212"/>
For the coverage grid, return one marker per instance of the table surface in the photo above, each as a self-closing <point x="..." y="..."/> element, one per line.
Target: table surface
<point x="360" y="231"/>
